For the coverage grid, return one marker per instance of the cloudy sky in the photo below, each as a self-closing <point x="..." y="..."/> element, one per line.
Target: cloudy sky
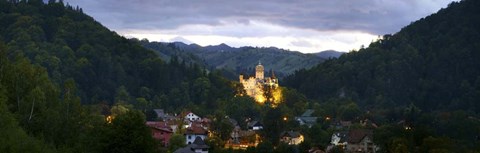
<point x="299" y="25"/>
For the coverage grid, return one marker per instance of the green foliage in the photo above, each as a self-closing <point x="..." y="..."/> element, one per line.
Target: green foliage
<point x="126" y="133"/>
<point x="419" y="78"/>
<point x="56" y="58"/>
<point x="264" y="147"/>
<point x="12" y="137"/>
<point x="176" y="141"/>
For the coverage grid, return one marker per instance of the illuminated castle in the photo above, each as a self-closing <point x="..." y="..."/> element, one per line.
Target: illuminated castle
<point x="262" y="88"/>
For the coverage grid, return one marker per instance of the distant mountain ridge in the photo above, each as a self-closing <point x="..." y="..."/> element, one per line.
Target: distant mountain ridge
<point x="329" y="54"/>
<point x="238" y="60"/>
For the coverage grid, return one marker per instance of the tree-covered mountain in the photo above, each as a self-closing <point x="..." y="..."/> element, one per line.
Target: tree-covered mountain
<point x="72" y="45"/>
<point x="427" y="74"/>
<point x="329" y="54"/>
<point x="61" y="72"/>
<point x="237" y="60"/>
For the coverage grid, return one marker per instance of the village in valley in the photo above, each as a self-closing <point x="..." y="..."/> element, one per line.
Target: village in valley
<point x="198" y="133"/>
<point x="195" y="130"/>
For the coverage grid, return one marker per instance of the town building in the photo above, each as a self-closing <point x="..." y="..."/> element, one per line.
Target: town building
<point x="291" y="137"/>
<point x="198" y="146"/>
<point x="306" y="118"/>
<point x="193" y="132"/>
<point x="355" y="140"/>
<point x="255" y="125"/>
<point x="192" y="117"/>
<point x="161" y="131"/>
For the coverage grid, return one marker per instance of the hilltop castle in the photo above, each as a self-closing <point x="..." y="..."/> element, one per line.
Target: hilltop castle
<point x="257" y="86"/>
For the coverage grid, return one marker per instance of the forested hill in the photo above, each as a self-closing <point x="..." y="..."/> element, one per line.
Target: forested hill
<point x="61" y="72"/>
<point x="237" y="60"/>
<point x="421" y="84"/>
<point x="72" y="45"/>
<point x="432" y="63"/>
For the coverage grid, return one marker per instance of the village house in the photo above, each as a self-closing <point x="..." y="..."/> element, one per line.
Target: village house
<point x="162" y="116"/>
<point x="192" y="117"/>
<point x="241" y="139"/>
<point x="161" y="132"/>
<point x="198" y="146"/>
<point x="361" y="140"/>
<point x="356" y="140"/>
<point x="306" y="118"/>
<point x="255" y="125"/>
<point x="291" y="137"/>
<point x="193" y="132"/>
<point x="339" y="139"/>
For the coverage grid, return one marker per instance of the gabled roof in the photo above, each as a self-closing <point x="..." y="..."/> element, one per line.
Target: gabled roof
<point x="184" y="150"/>
<point x="357" y="135"/>
<point x="291" y="134"/>
<point x="342" y="135"/>
<point x="160" y="112"/>
<point x="196" y="130"/>
<point x="162" y="126"/>
<point x="310" y="120"/>
<point x="189" y="113"/>
<point x="197" y="144"/>
<point x="308" y="113"/>
<point x="254" y="123"/>
<point x="164" y="129"/>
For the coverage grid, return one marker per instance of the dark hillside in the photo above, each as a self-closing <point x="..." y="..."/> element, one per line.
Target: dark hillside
<point x="432" y="63"/>
<point x="421" y="84"/>
<point x="71" y="44"/>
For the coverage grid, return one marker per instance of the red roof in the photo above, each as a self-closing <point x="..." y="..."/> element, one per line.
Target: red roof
<point x="163" y="126"/>
<point x="196" y="130"/>
<point x="357" y="135"/>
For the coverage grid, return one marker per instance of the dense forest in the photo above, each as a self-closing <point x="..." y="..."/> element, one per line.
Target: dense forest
<point x="427" y="74"/>
<point x="62" y="73"/>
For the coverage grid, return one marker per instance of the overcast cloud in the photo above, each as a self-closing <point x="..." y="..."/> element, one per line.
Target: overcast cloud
<point x="302" y="25"/>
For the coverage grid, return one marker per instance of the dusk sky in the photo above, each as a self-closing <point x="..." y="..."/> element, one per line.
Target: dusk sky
<point x="298" y="25"/>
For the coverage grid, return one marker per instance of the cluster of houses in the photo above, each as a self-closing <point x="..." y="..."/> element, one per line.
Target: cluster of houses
<point x="347" y="138"/>
<point x="354" y="140"/>
<point x="196" y="129"/>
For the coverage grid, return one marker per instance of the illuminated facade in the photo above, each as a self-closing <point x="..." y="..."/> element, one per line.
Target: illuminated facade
<point x="262" y="88"/>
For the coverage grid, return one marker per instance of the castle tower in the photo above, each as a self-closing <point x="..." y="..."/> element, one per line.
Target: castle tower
<point x="259" y="71"/>
<point x="241" y="78"/>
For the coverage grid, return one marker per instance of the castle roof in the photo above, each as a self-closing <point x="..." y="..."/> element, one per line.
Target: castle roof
<point x="259" y="66"/>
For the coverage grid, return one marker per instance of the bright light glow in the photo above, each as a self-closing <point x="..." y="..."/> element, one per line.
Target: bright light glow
<point x="109" y="118"/>
<point x="277" y="95"/>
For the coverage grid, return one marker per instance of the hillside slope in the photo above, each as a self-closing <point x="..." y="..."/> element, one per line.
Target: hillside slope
<point x="62" y="72"/>
<point x="421" y="84"/>
<point x="239" y="60"/>
<point x="432" y="63"/>
<point x="72" y="45"/>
